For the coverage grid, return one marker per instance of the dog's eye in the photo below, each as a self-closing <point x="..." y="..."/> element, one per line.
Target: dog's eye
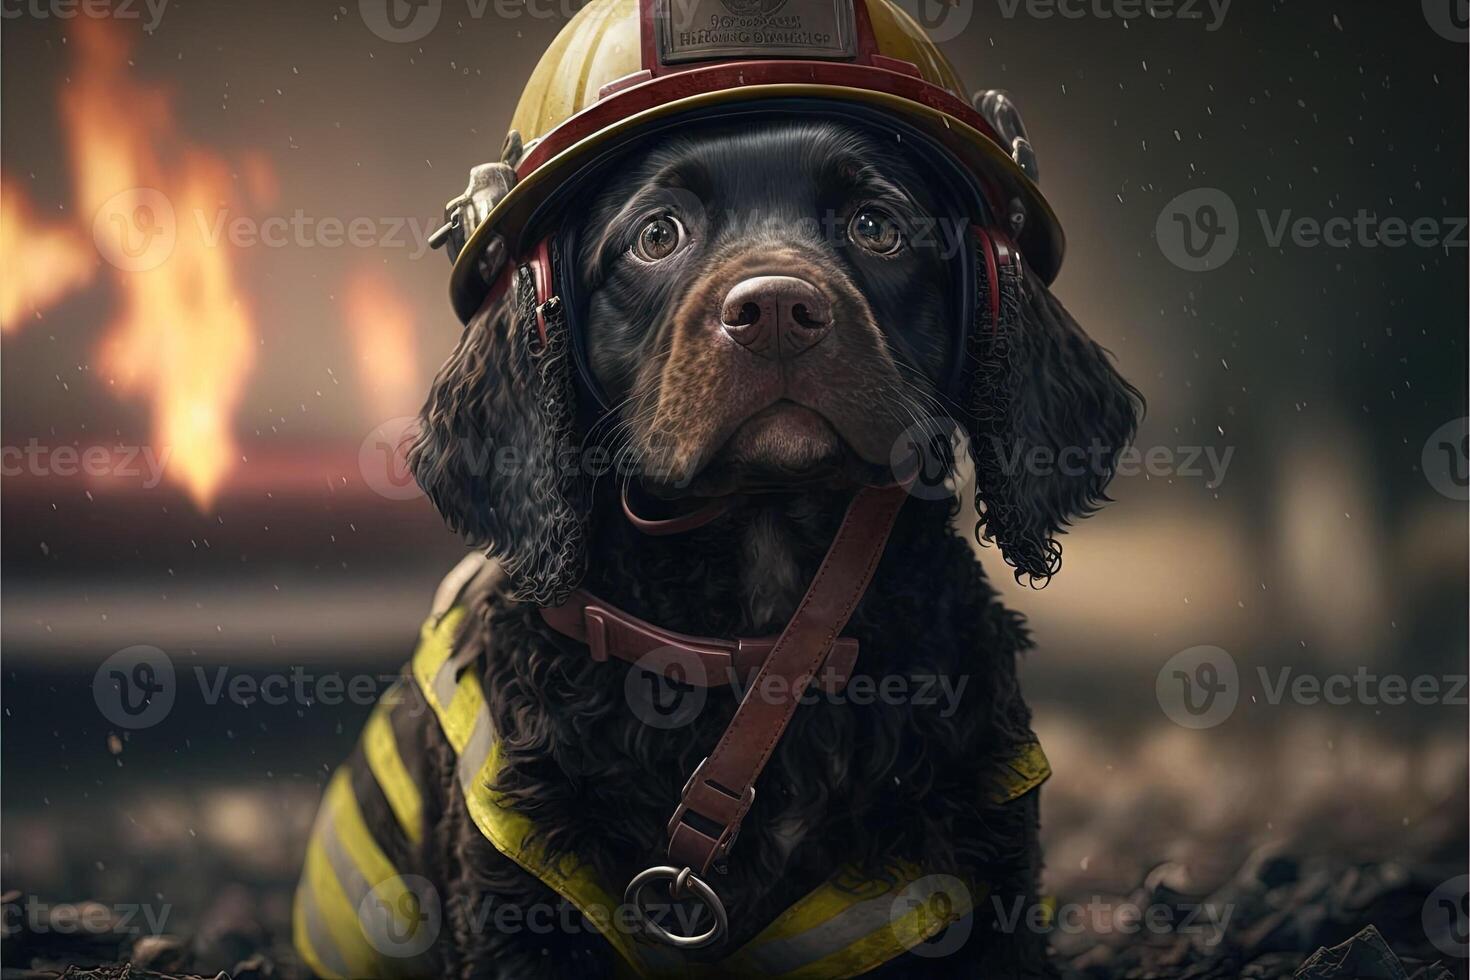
<point x="658" y="238"/>
<point x="876" y="231"/>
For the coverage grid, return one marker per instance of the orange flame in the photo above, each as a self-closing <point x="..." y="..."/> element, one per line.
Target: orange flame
<point x="184" y="339"/>
<point x="381" y="325"/>
<point x="42" y="263"/>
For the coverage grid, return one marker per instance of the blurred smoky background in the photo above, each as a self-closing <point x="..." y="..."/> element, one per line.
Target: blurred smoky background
<point x="216" y="283"/>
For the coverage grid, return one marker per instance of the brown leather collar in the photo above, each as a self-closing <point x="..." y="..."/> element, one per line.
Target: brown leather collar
<point x="703" y="661"/>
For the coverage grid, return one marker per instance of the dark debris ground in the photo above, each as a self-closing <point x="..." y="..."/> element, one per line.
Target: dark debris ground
<point x="1307" y="919"/>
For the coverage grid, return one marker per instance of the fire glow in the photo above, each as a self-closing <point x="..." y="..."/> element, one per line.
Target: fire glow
<point x="43" y="262"/>
<point x="380" y="325"/>
<point x="183" y="338"/>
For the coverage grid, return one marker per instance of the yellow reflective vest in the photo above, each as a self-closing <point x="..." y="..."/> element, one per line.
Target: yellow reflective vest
<point x="360" y="911"/>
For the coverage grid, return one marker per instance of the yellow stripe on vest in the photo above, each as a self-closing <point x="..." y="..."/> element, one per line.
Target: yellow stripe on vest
<point x="343" y="929"/>
<point x="367" y="859"/>
<point x="1021" y="773"/>
<point x="466" y="723"/>
<point x="345" y="870"/>
<point x="310" y="935"/>
<point x="456" y="701"/>
<point x="380" y="746"/>
<point x="918" y="911"/>
<point x="835" y="933"/>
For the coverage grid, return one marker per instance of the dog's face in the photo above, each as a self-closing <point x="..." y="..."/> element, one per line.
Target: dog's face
<point x="772" y="305"/>
<point x="768" y="305"/>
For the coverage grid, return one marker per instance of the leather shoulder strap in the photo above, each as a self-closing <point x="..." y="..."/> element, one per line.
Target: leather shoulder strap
<point x="721" y="790"/>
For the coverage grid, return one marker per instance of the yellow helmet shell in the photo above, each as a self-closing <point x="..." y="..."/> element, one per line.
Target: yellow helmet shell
<point x="623" y="68"/>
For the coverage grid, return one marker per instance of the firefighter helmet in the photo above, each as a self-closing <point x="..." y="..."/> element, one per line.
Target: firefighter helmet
<point x="624" y="69"/>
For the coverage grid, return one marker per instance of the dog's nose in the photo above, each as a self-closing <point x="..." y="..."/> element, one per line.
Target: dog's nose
<point x="776" y="316"/>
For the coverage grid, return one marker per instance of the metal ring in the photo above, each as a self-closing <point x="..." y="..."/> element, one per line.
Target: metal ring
<point x="690" y="882"/>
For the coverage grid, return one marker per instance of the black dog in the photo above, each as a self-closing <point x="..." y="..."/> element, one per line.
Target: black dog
<point x="768" y="308"/>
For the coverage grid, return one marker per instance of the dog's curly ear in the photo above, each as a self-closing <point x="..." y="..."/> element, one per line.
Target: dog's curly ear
<point x="496" y="450"/>
<point x="1049" y="416"/>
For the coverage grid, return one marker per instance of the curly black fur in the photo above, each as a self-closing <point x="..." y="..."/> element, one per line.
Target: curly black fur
<point x="1040" y="383"/>
<point x="494" y="442"/>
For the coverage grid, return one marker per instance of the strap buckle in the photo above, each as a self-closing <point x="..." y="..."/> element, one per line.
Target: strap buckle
<point x="712" y="805"/>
